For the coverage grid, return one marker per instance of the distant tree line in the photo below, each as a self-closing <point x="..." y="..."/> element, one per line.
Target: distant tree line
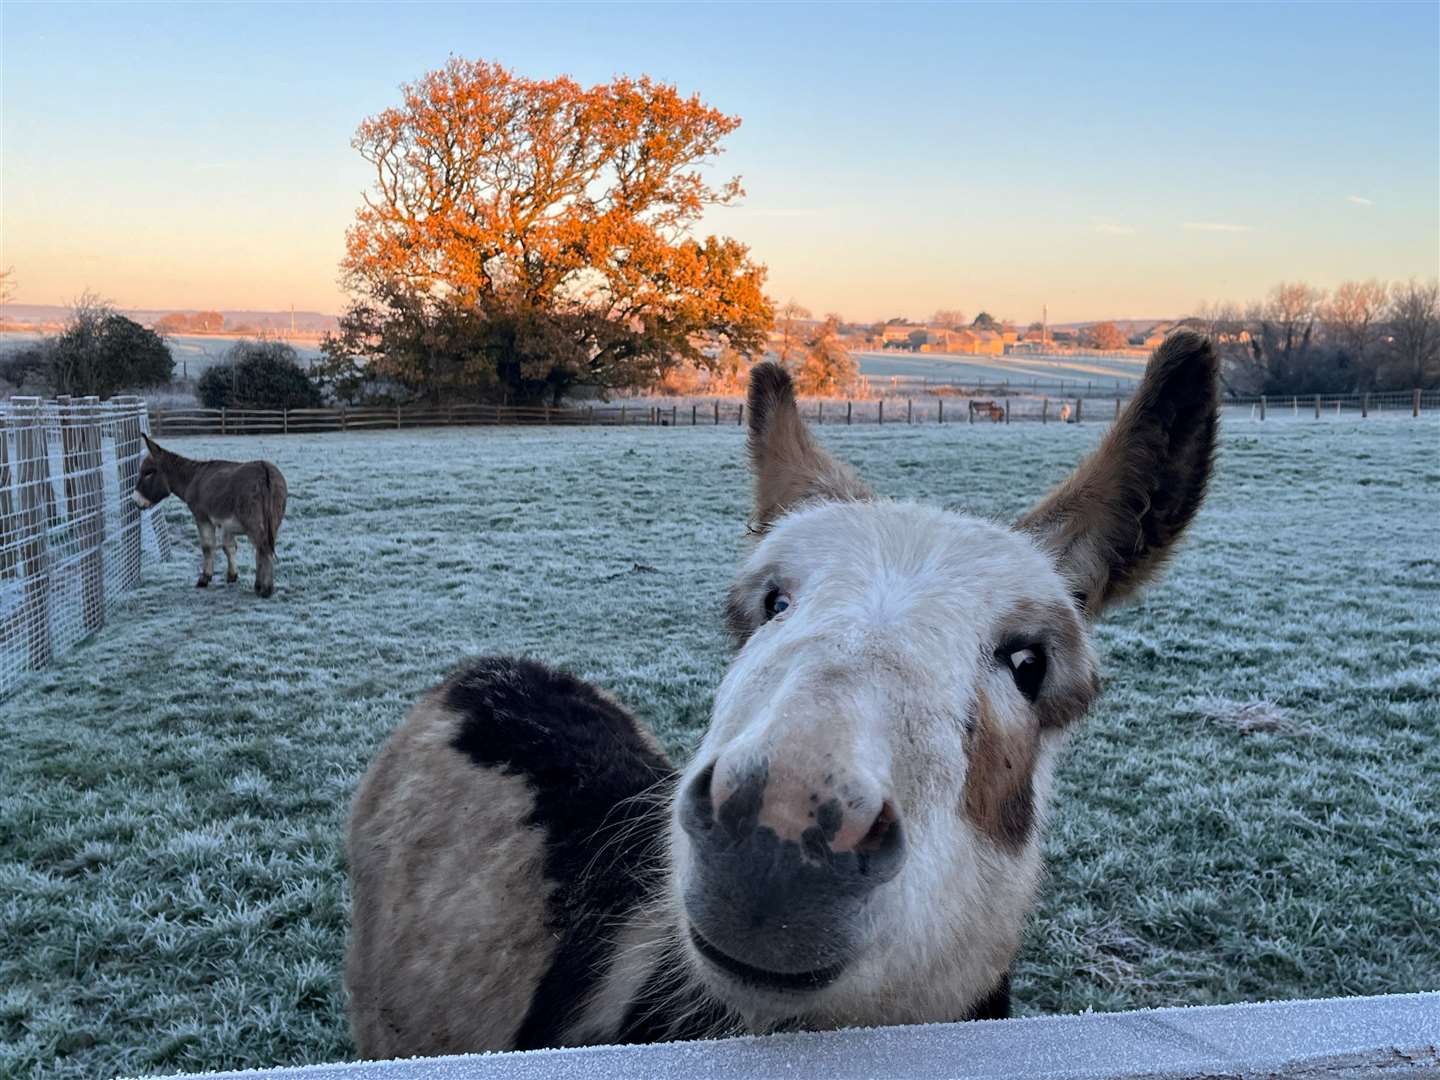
<point x="1364" y="336"/>
<point x="199" y="322"/>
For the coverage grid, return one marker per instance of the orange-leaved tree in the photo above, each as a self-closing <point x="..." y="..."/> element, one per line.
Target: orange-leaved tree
<point x="827" y="368"/>
<point x="525" y="235"/>
<point x="1105" y="335"/>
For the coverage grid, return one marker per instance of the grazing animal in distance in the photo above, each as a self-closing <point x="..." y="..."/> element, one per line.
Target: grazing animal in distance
<point x="857" y="839"/>
<point x="227" y="498"/>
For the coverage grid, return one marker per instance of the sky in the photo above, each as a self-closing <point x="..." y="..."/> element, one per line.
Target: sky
<point x="1101" y="160"/>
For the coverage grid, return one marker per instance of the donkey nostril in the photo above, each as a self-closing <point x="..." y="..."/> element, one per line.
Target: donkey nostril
<point x="884" y="831"/>
<point x="697" y="807"/>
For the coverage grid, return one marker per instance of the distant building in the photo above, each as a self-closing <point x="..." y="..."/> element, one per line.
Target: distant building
<point x="968" y="342"/>
<point x="897" y="334"/>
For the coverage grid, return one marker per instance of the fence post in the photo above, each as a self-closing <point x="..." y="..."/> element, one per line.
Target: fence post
<point x="1007" y="410"/>
<point x="85" y="511"/>
<point x="92" y="568"/>
<point x="222" y="420"/>
<point x="971" y="410"/>
<point x="717" y="412"/>
<point x="397" y="417"/>
<point x="909" y="410"/>
<point x="547" y="412"/>
<point x="881" y="419"/>
<point x="1337" y="406"/>
<point x="1317" y="406"/>
<point x="1364" y="406"/>
<point x="1117" y="406"/>
<point x="622" y="412"/>
<point x="1044" y="410"/>
<point x="849" y="408"/>
<point x="673" y="414"/>
<point x="34" y="461"/>
<point x="940" y="403"/>
<point x="128" y="449"/>
<point x="285" y="420"/>
<point x="344" y="420"/>
<point x="1262" y="407"/>
<point x="9" y="521"/>
<point x="1294" y="406"/>
<point x="1415" y="403"/>
<point x="694" y="414"/>
<point x="1079" y="409"/>
<point x="740" y="416"/>
<point x="819" y="413"/>
<point x="589" y="414"/>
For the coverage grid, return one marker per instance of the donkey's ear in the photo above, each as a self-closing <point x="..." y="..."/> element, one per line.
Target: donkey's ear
<point x="150" y="444"/>
<point x="789" y="466"/>
<point x="1112" y="525"/>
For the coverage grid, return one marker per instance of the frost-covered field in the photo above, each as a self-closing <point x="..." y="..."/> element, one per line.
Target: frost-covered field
<point x="1249" y="813"/>
<point x="1106" y="373"/>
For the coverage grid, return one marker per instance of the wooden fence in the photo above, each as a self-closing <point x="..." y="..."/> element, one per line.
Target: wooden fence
<point x="71" y="538"/>
<point x="975" y="406"/>
<point x="1413" y="403"/>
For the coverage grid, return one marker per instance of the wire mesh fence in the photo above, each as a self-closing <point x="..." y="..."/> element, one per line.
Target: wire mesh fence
<point x="72" y="541"/>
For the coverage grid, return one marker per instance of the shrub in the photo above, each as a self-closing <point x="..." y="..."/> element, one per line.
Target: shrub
<point x="101" y="352"/>
<point x="258" y="375"/>
<point x="27" y="370"/>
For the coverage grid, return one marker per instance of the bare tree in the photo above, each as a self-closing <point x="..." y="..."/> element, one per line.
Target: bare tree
<point x="7" y="285"/>
<point x="1414" y="317"/>
<point x="949" y="318"/>
<point x="1283" y="329"/>
<point x="792" y="334"/>
<point x="1292" y="309"/>
<point x="1229" y="329"/>
<point x="1351" y="317"/>
<point x="1220" y="320"/>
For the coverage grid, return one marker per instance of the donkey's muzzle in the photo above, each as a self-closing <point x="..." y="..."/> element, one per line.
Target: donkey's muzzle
<point x="781" y="911"/>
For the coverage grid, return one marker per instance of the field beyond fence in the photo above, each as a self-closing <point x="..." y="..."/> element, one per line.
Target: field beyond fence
<point x="1238" y="818"/>
<point x="973" y="407"/>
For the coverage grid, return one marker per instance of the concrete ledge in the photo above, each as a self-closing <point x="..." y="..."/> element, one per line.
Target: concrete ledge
<point x="1393" y="1037"/>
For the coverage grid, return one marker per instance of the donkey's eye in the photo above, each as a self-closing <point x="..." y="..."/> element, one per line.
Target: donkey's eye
<point x="776" y="603"/>
<point x="1027" y="665"/>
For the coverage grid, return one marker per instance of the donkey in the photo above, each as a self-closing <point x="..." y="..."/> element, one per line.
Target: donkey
<point x="857" y="839"/>
<point x="226" y="497"/>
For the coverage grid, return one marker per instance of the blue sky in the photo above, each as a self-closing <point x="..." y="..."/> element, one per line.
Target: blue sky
<point x="1107" y="160"/>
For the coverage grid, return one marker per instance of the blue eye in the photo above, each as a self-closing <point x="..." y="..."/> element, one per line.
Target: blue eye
<point x="776" y="603"/>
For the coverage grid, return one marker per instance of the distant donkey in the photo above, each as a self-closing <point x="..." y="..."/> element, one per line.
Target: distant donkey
<point x="857" y="840"/>
<point x="226" y="497"/>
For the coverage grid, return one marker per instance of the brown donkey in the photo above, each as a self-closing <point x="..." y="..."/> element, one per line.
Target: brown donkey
<point x="226" y="497"/>
<point x="857" y="839"/>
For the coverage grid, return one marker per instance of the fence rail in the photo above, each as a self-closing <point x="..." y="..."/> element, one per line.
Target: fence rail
<point x="1374" y="1038"/>
<point x="71" y="539"/>
<point x="972" y="408"/>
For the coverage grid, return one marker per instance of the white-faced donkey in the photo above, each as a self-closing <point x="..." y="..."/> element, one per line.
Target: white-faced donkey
<point x="857" y="840"/>
<point x="228" y="498"/>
